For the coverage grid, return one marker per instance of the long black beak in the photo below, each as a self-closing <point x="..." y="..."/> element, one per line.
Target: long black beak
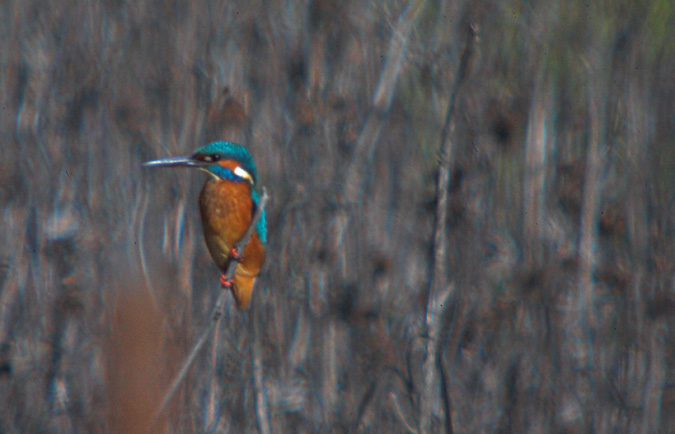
<point x="174" y="162"/>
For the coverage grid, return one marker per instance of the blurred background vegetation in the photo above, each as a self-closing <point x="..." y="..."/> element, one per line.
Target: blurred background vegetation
<point x="553" y="302"/>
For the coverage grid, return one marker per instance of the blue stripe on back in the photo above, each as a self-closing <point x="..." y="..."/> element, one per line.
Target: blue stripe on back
<point x="261" y="227"/>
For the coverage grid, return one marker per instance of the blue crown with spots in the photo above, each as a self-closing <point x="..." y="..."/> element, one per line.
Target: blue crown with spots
<point x="231" y="151"/>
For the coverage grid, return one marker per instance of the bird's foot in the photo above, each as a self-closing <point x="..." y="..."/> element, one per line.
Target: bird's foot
<point x="225" y="282"/>
<point x="235" y="255"/>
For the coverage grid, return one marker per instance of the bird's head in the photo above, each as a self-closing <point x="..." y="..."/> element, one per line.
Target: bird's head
<point x="222" y="160"/>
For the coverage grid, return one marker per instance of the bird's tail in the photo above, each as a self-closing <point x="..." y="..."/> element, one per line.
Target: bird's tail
<point x="242" y="288"/>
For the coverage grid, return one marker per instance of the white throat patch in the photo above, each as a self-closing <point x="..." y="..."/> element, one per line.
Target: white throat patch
<point x="243" y="174"/>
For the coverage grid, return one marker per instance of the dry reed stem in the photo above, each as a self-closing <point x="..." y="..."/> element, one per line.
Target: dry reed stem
<point x="262" y="411"/>
<point x="439" y="292"/>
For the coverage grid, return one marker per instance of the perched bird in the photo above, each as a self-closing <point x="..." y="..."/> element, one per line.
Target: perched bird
<point x="226" y="204"/>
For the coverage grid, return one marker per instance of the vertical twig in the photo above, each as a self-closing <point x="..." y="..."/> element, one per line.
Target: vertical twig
<point x="365" y="402"/>
<point x="330" y="374"/>
<point x="439" y="291"/>
<point x="445" y="392"/>
<point x="591" y="196"/>
<point x="581" y="316"/>
<point x="212" y="411"/>
<point x="440" y="241"/>
<point x="537" y="147"/>
<point x="438" y="300"/>
<point x="262" y="412"/>
<point x="384" y="94"/>
<point x="656" y="380"/>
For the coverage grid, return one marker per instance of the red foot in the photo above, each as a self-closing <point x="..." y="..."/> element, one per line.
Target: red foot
<point x="225" y="282"/>
<point x="234" y="254"/>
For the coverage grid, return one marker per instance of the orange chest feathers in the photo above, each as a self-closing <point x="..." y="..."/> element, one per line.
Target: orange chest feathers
<point x="226" y="209"/>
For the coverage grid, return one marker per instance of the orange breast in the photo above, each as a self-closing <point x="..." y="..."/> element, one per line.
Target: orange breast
<point x="226" y="210"/>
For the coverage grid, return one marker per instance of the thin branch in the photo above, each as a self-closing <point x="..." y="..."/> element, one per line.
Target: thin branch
<point x="538" y="146"/>
<point x="217" y="311"/>
<point x="445" y="392"/>
<point x="592" y="192"/>
<point x="262" y="411"/>
<point x="213" y="411"/>
<point x="437" y="304"/>
<point x="439" y="291"/>
<point x="384" y="94"/>
<point x="399" y="412"/>
<point x="363" y="406"/>
<point x="440" y="241"/>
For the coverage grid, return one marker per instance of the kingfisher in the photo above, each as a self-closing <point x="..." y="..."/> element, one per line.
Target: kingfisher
<point x="227" y="202"/>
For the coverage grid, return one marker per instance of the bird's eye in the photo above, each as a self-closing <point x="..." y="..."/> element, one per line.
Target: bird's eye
<point x="209" y="158"/>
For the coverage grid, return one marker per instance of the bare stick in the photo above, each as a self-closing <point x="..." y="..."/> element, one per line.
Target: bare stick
<point x="445" y="392"/>
<point x="399" y="412"/>
<point x="438" y="300"/>
<point x="262" y="412"/>
<point x="217" y="311"/>
<point x="592" y="193"/>
<point x="440" y="241"/>
<point x="384" y="94"/>
<point x="439" y="292"/>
